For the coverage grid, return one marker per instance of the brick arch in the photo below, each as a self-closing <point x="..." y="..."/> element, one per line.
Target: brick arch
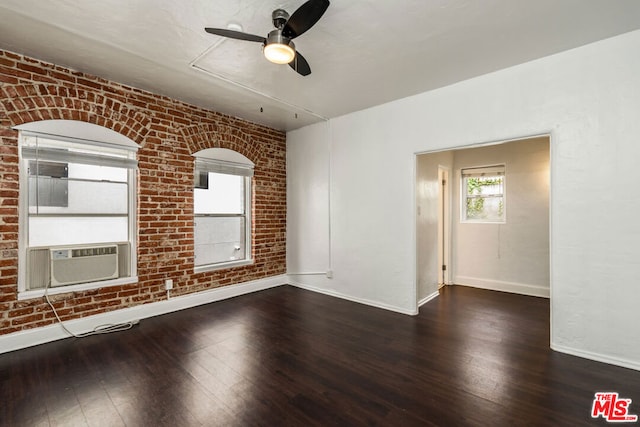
<point x="27" y="103"/>
<point x="210" y="135"/>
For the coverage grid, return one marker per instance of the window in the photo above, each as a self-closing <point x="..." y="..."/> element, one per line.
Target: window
<point x="77" y="213"/>
<point x="222" y="209"/>
<point x="483" y="194"/>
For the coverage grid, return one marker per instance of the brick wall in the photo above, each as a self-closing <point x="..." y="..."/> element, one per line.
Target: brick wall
<point x="168" y="132"/>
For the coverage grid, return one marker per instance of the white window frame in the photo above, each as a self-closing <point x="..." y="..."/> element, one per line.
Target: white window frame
<point x="225" y="161"/>
<point x="482" y="171"/>
<point x="88" y="135"/>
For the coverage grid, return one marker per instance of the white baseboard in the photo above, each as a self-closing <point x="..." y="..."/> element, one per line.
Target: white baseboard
<point x="428" y="298"/>
<point x="497" y="285"/>
<point x="352" y="299"/>
<point x="630" y="364"/>
<point x="31" y="337"/>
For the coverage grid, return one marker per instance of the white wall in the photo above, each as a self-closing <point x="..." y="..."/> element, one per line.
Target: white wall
<point x="588" y="99"/>
<point x="427" y="212"/>
<point x="511" y="256"/>
<point x="308" y="200"/>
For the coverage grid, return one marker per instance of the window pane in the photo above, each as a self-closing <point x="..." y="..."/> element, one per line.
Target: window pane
<point x="485" y="208"/>
<point x="55" y="231"/>
<point x="484" y="198"/>
<point x="61" y="196"/>
<point x="48" y="192"/>
<point x="486" y="185"/>
<point x="224" y="195"/>
<point x="219" y="239"/>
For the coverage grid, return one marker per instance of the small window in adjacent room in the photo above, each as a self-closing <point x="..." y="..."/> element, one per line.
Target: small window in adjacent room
<point x="222" y="209"/>
<point x="483" y="194"/>
<point x="77" y="213"/>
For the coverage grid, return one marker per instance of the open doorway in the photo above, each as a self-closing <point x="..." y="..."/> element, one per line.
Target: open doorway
<point x="488" y="226"/>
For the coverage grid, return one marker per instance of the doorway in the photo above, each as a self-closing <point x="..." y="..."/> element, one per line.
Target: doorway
<point x="511" y="254"/>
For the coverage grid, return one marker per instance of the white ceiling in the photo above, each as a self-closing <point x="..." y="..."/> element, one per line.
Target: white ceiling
<point x="362" y="52"/>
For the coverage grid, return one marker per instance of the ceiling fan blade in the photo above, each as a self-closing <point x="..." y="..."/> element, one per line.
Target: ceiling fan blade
<point x="304" y="18"/>
<point x="239" y="35"/>
<point x="300" y="65"/>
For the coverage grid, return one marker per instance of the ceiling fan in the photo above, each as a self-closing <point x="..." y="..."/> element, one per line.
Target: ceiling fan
<point x="278" y="46"/>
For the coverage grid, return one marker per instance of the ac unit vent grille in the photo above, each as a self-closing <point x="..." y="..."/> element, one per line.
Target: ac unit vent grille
<point x="82" y="265"/>
<point x="104" y="250"/>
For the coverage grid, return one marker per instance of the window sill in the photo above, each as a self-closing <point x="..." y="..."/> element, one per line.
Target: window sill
<point x="470" y="221"/>
<point x="38" y="293"/>
<point x="222" y="265"/>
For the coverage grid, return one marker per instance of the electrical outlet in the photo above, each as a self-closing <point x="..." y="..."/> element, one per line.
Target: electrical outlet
<point x="168" y="284"/>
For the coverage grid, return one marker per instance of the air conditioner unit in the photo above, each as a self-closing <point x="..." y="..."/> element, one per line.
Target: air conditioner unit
<point x="83" y="264"/>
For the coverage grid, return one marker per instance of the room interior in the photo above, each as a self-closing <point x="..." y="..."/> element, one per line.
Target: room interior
<point x="335" y="161"/>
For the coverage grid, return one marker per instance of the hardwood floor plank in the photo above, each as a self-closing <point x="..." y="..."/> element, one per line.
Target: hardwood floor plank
<point x="290" y="357"/>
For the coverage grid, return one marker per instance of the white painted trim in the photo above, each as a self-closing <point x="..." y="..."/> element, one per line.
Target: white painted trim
<point x="428" y="298"/>
<point x="223" y="155"/>
<point x="498" y="285"/>
<point x="308" y="273"/>
<point x="39" y="293"/>
<point x="77" y="130"/>
<point x="414" y="232"/>
<point x="552" y="177"/>
<point x="335" y="294"/>
<point x="625" y="363"/>
<point x="31" y="337"/>
<point x="222" y="265"/>
<point x="447" y="199"/>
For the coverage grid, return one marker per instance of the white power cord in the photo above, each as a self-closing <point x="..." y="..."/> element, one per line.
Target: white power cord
<point x="100" y="329"/>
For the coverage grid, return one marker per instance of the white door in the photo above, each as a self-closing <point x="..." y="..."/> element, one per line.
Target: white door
<point x="444" y="227"/>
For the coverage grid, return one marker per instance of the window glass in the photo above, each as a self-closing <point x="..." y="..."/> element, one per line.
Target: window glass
<point x="219" y="239"/>
<point x="483" y="194"/>
<point x="222" y="220"/>
<point x="224" y="195"/>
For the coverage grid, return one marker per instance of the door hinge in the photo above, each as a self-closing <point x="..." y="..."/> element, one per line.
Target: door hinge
<point x="444" y="268"/>
<point x="444" y="182"/>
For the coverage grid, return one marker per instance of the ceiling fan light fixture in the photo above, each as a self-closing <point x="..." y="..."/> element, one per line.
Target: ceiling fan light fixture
<point x="279" y="53"/>
<point x="279" y="49"/>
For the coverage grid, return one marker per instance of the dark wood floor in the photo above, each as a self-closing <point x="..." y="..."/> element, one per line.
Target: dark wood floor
<point x="291" y="357"/>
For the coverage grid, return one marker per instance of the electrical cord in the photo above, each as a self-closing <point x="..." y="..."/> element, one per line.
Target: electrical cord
<point x="100" y="329"/>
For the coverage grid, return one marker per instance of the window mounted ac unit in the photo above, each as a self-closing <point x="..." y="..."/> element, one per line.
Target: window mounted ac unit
<point x="83" y="264"/>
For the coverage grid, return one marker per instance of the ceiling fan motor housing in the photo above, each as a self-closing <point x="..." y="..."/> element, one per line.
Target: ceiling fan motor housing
<point x="279" y="17"/>
<point x="276" y="36"/>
